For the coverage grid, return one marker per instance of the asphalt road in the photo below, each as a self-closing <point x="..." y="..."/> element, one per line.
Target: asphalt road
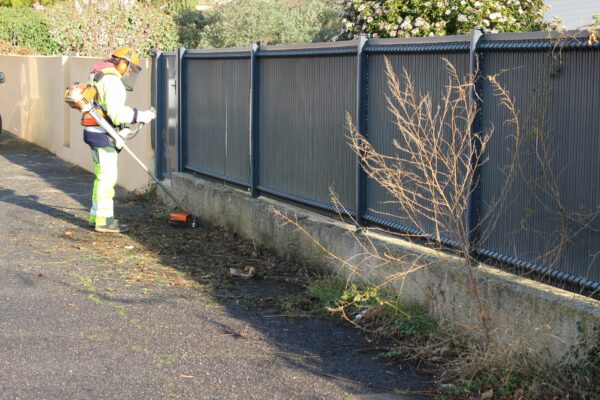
<point x="95" y="316"/>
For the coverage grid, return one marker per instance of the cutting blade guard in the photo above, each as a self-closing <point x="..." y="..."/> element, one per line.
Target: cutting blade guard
<point x="182" y="219"/>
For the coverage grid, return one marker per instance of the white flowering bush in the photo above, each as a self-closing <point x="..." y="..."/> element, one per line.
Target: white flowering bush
<point x="408" y="18"/>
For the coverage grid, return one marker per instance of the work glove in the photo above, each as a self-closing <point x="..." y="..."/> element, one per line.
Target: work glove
<point x="144" y="117"/>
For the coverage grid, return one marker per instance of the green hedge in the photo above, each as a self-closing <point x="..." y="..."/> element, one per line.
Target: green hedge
<point x="97" y="29"/>
<point x="26" y="3"/>
<point x="26" y="27"/>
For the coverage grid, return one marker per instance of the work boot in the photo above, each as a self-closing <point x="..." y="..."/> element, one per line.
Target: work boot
<point x="113" y="227"/>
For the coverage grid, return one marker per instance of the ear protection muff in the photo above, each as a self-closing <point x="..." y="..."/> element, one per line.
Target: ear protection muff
<point x="122" y="66"/>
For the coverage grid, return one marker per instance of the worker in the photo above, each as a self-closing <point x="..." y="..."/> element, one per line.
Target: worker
<point x="112" y="78"/>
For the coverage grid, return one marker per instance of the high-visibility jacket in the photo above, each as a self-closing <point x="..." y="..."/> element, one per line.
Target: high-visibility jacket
<point x="111" y="98"/>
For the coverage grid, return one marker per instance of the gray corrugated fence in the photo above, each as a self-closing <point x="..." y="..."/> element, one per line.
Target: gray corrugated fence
<point x="302" y="138"/>
<point x="217" y="94"/>
<point x="272" y="119"/>
<point x="552" y="216"/>
<point x="164" y="99"/>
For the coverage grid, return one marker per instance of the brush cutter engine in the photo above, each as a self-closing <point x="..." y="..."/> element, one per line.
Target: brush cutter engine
<point x="80" y="96"/>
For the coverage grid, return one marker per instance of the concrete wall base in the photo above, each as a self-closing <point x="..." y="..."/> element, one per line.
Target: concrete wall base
<point x="523" y="315"/>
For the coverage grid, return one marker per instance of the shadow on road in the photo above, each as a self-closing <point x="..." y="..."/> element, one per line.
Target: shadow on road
<point x="199" y="260"/>
<point x="43" y="174"/>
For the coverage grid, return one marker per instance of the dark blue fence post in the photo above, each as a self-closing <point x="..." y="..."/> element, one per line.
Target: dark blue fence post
<point x="475" y="96"/>
<point x="361" y="125"/>
<point x="156" y="94"/>
<point x="254" y="127"/>
<point x="181" y="109"/>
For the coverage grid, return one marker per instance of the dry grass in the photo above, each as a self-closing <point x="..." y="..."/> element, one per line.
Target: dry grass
<point x="7" y="48"/>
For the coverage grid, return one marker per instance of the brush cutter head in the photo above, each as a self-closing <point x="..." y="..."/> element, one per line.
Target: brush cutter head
<point x="182" y="219"/>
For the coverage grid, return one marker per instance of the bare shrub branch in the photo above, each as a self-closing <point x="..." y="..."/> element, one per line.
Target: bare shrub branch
<point x="431" y="172"/>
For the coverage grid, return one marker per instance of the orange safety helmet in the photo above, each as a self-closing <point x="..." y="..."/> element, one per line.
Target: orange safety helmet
<point x="127" y="62"/>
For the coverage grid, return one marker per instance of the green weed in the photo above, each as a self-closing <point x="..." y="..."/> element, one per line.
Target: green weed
<point x="372" y="308"/>
<point x="464" y="369"/>
<point x="147" y="196"/>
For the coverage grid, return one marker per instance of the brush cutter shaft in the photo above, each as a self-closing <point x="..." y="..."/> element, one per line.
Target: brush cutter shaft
<point x="104" y="124"/>
<point x="159" y="183"/>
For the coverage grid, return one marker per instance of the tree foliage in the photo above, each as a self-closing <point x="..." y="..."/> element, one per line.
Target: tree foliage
<point x="190" y="24"/>
<point x="174" y="7"/>
<point x="242" y="22"/>
<point x="409" y="18"/>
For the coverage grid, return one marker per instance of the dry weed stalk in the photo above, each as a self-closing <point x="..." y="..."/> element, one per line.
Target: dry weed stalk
<point x="430" y="176"/>
<point x="432" y="172"/>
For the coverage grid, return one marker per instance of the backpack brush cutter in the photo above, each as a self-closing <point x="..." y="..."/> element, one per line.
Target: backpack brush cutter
<point x="81" y="97"/>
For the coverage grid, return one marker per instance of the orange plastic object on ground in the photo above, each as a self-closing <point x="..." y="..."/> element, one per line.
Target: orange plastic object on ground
<point x="180" y="216"/>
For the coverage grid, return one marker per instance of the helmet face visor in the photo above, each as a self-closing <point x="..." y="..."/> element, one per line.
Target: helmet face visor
<point x="130" y="76"/>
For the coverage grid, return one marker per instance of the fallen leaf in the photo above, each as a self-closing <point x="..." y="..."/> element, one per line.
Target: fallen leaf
<point x="247" y="273"/>
<point x="488" y="394"/>
<point x="69" y="233"/>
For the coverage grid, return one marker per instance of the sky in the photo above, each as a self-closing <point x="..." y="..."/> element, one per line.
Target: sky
<point x="575" y="13"/>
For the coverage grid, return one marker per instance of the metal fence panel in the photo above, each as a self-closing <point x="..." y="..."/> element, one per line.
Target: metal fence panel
<point x="303" y="138"/>
<point x="217" y="96"/>
<point x="429" y="75"/>
<point x="551" y="217"/>
<point x="166" y="124"/>
<point x="304" y="92"/>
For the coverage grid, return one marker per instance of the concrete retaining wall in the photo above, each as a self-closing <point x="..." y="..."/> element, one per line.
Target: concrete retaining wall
<point x="523" y="315"/>
<point x="32" y="107"/>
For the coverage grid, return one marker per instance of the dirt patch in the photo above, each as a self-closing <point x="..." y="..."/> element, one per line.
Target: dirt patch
<point x="156" y="253"/>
